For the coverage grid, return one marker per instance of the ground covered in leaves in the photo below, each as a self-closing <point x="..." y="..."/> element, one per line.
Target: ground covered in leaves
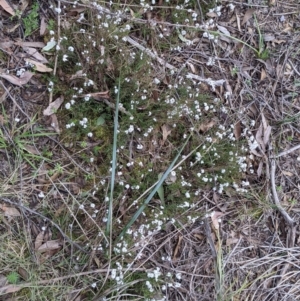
<point x="149" y="150"/>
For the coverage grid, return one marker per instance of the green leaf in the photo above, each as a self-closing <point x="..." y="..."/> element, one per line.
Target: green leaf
<point x="100" y="120"/>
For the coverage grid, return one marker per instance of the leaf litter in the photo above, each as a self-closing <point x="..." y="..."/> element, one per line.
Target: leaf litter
<point x="267" y="100"/>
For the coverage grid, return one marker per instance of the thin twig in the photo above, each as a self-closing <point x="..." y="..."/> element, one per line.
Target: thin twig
<point x="285" y="152"/>
<point x="291" y="63"/>
<point x="58" y="45"/>
<point x="285" y="215"/>
<point x="46" y="219"/>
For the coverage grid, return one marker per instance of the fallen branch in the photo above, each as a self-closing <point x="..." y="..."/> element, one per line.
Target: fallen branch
<point x="285" y="215"/>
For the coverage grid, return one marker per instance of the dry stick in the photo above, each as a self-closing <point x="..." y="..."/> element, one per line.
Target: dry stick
<point x="44" y="218"/>
<point x="285" y="215"/>
<point x="291" y="63"/>
<point x="286" y="152"/>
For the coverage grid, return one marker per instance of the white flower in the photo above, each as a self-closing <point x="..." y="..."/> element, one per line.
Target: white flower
<point x="211" y="61"/>
<point x="90" y="134"/>
<point x="65" y="58"/>
<point x="68" y="106"/>
<point x="41" y="195"/>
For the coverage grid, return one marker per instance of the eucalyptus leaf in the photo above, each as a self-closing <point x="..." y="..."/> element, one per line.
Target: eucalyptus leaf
<point x="49" y="46"/>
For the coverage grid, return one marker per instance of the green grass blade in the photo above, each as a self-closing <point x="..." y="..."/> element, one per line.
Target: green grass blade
<point x="160" y="191"/>
<point x="114" y="164"/>
<point x="158" y="185"/>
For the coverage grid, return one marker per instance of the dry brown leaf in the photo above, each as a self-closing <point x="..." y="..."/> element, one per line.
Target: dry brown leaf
<point x="54" y="106"/>
<point x="166" y="131"/>
<point x="10" y="211"/>
<point x="259" y="137"/>
<point x="253" y="111"/>
<point x="39" y="66"/>
<point x="176" y="251"/>
<point x="54" y="123"/>
<point x="5" y="5"/>
<point x="43" y="26"/>
<point x="259" y="169"/>
<point x="215" y="216"/>
<point x="39" y="240"/>
<point x="223" y="30"/>
<point x="31" y="149"/>
<point x="238" y="21"/>
<point x="230" y="241"/>
<point x="264" y="121"/>
<point x="29" y="45"/>
<point x="192" y="67"/>
<point x="34" y="53"/>
<point x="23" y="273"/>
<point x="10" y="289"/>
<point x="18" y="81"/>
<point x="267" y="134"/>
<point x="50" y="245"/>
<point x="212" y="14"/>
<point x="204" y="127"/>
<point x="248" y="14"/>
<point x="237" y="130"/>
<point x="287" y="28"/>
<point x="279" y="41"/>
<point x="266" y="130"/>
<point x="287" y="173"/>
<point x="99" y="95"/>
<point x="263" y="74"/>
